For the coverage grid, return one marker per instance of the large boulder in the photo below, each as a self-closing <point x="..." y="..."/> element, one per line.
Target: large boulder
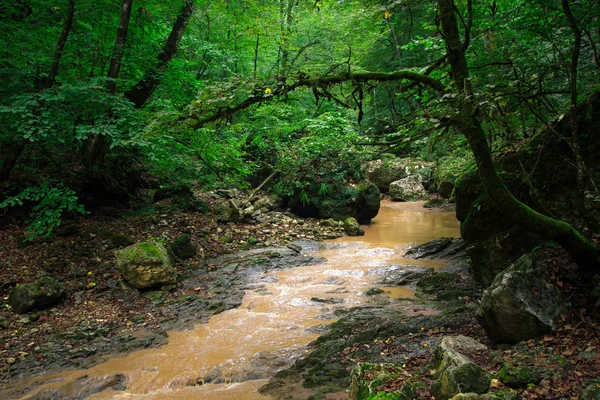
<point x="146" y="265"/>
<point x="383" y="172"/>
<point x="408" y="189"/>
<point x="456" y="372"/>
<point x="44" y="293"/>
<point x="521" y="304"/>
<point x="359" y="201"/>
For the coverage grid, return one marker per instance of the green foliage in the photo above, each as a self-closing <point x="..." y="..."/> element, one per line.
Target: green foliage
<point x="52" y="202"/>
<point x="324" y="160"/>
<point x="70" y="114"/>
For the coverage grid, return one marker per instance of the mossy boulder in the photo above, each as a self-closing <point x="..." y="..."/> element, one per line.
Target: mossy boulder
<point x="352" y="227"/>
<point x="366" y="378"/>
<point x="520" y="376"/>
<point x="521" y="304"/>
<point x="146" y="265"/>
<point x="44" y="293"/>
<point x="359" y="201"/>
<point x="118" y="240"/>
<point x="457" y="373"/>
<point x="183" y="247"/>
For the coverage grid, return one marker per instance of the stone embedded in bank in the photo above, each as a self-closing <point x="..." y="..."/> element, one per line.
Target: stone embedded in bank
<point x="457" y="373"/>
<point x="44" y="293"/>
<point x="146" y="265"/>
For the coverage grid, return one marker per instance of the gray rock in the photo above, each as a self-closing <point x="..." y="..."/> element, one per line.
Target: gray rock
<point x="408" y="275"/>
<point x="383" y="172"/>
<point x="45" y="293"/>
<point x="408" y="189"/>
<point x="352" y="227"/>
<point x="264" y="202"/>
<point x="228" y="211"/>
<point x="429" y="249"/>
<point x="457" y="373"/>
<point x="146" y="265"/>
<point x="520" y="304"/>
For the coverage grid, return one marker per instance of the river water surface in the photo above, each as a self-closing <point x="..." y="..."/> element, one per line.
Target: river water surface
<point x="273" y="325"/>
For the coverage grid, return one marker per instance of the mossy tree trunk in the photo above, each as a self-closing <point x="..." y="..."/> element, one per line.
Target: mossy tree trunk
<point x="467" y="122"/>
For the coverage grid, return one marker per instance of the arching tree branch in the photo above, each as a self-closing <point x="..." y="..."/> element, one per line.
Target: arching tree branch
<point x="265" y="94"/>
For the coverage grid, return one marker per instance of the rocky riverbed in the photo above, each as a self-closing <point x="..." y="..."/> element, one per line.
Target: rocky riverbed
<point x="100" y="315"/>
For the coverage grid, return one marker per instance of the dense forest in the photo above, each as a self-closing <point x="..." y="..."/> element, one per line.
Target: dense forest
<point x="109" y="107"/>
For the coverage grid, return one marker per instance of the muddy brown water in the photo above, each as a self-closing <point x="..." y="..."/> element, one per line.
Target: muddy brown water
<point x="241" y="348"/>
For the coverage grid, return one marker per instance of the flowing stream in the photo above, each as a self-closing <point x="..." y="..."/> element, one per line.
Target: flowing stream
<point x="273" y="325"/>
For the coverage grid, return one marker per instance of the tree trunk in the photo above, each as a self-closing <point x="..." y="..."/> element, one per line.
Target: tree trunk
<point x="582" y="170"/>
<point x="583" y="251"/>
<point x="60" y="46"/>
<point x="142" y="91"/>
<point x="117" y="54"/>
<point x="95" y="147"/>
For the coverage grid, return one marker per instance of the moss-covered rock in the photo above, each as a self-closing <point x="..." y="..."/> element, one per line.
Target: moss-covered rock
<point x="118" y="240"/>
<point x="520" y="304"/>
<point x="359" y="201"/>
<point x="456" y="372"/>
<point x="183" y="247"/>
<point x="228" y="211"/>
<point x="352" y="227"/>
<point x="520" y="376"/>
<point x="500" y="395"/>
<point x="146" y="265"/>
<point x="45" y="293"/>
<point x="366" y="378"/>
